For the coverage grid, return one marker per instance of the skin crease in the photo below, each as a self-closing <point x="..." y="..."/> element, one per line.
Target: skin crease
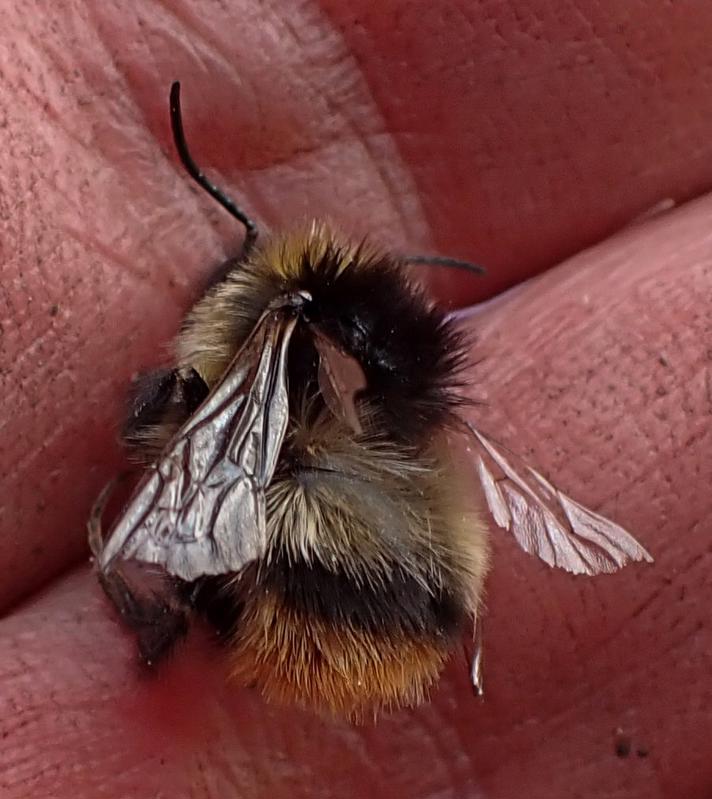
<point x="542" y="135"/>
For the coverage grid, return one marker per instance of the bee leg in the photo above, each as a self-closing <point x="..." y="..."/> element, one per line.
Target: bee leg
<point x="158" y="622"/>
<point x="160" y="402"/>
<point x="476" y="666"/>
<point x="217" y="601"/>
<point x="96" y="542"/>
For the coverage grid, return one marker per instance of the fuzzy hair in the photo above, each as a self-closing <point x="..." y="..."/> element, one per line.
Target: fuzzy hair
<point x="374" y="558"/>
<point x="410" y="353"/>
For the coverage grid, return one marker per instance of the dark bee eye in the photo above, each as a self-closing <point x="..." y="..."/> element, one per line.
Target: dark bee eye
<point x="348" y="332"/>
<point x="354" y="334"/>
<point x="360" y="334"/>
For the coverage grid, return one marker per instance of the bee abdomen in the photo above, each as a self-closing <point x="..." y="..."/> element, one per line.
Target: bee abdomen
<point x="368" y="580"/>
<point x="293" y="657"/>
<point x="350" y="630"/>
<point x="302" y="634"/>
<point x="392" y="603"/>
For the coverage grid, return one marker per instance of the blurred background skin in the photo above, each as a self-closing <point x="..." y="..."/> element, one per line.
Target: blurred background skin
<point x="514" y="136"/>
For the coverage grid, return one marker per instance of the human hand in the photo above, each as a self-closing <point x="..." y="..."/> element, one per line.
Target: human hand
<point x="423" y="127"/>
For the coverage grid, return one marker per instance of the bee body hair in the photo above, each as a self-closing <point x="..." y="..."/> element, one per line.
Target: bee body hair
<point x="374" y="562"/>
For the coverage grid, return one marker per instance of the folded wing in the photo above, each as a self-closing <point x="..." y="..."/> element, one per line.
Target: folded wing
<point x="201" y="508"/>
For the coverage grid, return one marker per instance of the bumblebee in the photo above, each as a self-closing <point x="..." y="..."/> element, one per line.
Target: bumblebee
<point x="299" y="491"/>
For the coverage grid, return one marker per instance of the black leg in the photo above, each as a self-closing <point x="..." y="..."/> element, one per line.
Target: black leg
<point x="217" y="599"/>
<point x="166" y="397"/>
<point x="159" y="619"/>
<point x="159" y="624"/>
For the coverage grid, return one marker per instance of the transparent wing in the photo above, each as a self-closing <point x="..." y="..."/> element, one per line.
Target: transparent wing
<point x="340" y="379"/>
<point x="547" y="523"/>
<point x="201" y="508"/>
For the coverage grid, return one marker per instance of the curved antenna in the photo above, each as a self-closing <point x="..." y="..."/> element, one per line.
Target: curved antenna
<point x="439" y="260"/>
<point x="197" y="174"/>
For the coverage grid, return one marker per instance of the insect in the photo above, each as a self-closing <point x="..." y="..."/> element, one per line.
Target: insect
<point x="298" y="491"/>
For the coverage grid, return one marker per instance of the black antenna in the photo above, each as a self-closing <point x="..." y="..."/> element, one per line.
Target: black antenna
<point x="196" y="173"/>
<point x="439" y="260"/>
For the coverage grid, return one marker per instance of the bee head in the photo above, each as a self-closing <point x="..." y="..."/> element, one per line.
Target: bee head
<point x="363" y="301"/>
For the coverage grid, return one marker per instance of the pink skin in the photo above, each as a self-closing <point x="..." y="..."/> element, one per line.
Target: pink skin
<point x="478" y="131"/>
